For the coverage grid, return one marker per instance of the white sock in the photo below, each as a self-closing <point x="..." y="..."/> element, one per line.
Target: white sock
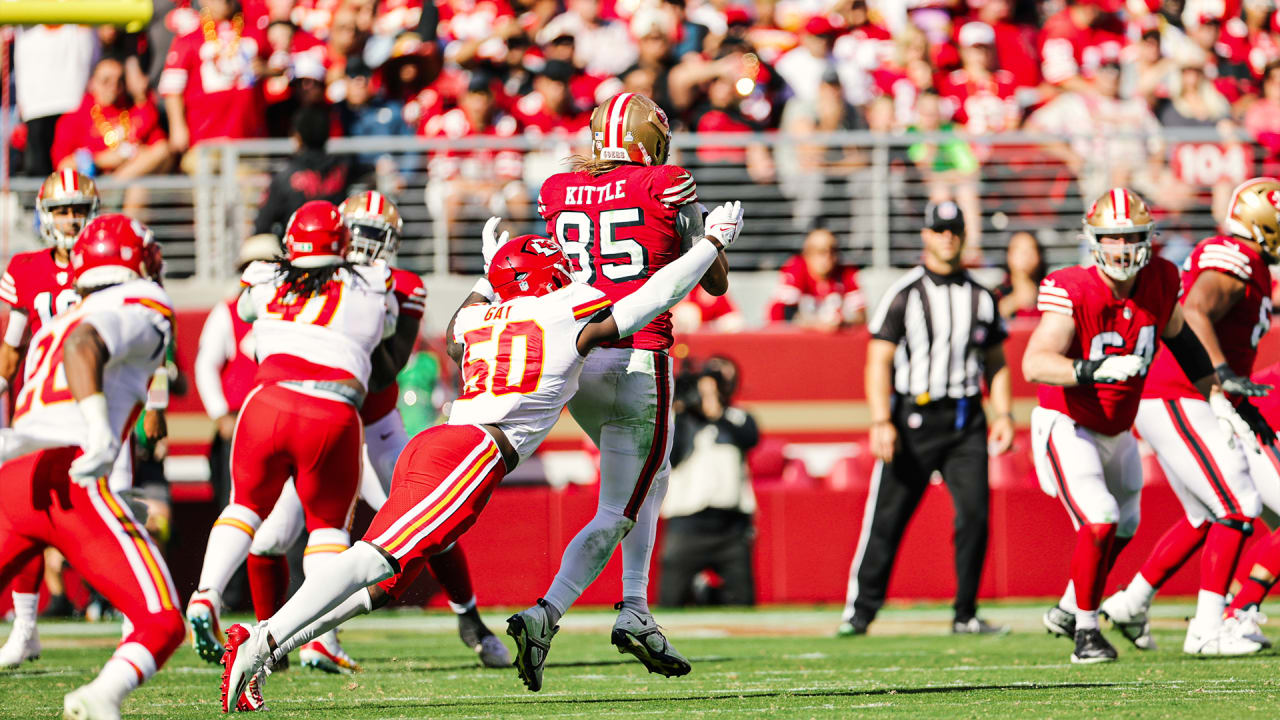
<point x="585" y="556"/>
<point x="1086" y="619"/>
<point x="323" y="545"/>
<point x="1139" y="593"/>
<point x="637" y="545"/>
<point x="1068" y="600"/>
<point x="129" y="666"/>
<point x="229" y="542"/>
<point x="1209" y="608"/>
<point x="463" y="609"/>
<point x="327" y="588"/>
<point x="24" y="607"/>
<point x="358" y="603"/>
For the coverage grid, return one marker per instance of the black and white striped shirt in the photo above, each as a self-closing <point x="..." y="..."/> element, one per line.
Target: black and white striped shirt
<point x="943" y="325"/>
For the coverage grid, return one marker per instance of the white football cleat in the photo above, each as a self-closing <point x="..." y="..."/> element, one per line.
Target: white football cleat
<point x="325" y="653"/>
<point x="1250" y="621"/>
<point x="23" y="645"/>
<point x="1132" y="623"/>
<point x="89" y="703"/>
<point x="248" y="649"/>
<point x="1223" y="640"/>
<point x="203" y="611"/>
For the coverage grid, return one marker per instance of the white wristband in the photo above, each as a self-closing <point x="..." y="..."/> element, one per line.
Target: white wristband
<point x="16" y="329"/>
<point x="483" y="287"/>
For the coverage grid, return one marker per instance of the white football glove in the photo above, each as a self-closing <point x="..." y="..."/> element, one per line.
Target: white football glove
<point x="491" y="241"/>
<point x="1233" y="425"/>
<point x="100" y="446"/>
<point x="724" y="223"/>
<point x="1118" y="368"/>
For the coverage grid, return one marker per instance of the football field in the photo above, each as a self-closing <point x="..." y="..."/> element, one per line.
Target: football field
<point x="775" y="663"/>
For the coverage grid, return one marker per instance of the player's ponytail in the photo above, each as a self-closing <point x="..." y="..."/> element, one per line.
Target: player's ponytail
<point x="592" y="166"/>
<point x="309" y="282"/>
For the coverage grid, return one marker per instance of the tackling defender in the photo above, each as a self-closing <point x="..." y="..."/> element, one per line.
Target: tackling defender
<point x="375" y="226"/>
<point x="1226" y="300"/>
<point x="1090" y="353"/>
<point x="521" y="357"/>
<point x="100" y="354"/>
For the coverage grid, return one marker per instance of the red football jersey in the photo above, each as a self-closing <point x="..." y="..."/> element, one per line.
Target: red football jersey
<point x="1239" y="331"/>
<point x="224" y="97"/>
<point x="619" y="229"/>
<point x="982" y="106"/>
<point x="1067" y="50"/>
<point x="36" y="284"/>
<point x="473" y="164"/>
<point x="1107" y="325"/>
<point x="798" y="290"/>
<point x="412" y="296"/>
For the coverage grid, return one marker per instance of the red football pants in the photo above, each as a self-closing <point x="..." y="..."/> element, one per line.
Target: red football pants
<point x="94" y="529"/>
<point x="315" y="440"/>
<point x="443" y="479"/>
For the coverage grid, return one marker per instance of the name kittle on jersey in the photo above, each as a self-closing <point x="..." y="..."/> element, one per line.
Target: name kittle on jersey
<point x="587" y="195"/>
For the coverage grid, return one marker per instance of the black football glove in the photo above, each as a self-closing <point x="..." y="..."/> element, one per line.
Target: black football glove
<point x="1258" y="424"/>
<point x="1236" y="385"/>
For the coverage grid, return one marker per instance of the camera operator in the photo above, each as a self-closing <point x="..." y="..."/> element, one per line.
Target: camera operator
<point x="709" y="505"/>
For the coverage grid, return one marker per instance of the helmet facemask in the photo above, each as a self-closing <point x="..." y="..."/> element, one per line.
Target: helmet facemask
<point x="1119" y="252"/>
<point x="371" y="241"/>
<point x="62" y="220"/>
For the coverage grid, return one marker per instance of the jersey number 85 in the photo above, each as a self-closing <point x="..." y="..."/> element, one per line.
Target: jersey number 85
<point x="623" y="258"/>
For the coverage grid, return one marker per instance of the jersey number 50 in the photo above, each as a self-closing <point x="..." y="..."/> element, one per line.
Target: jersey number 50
<point x="632" y="260"/>
<point x="476" y="371"/>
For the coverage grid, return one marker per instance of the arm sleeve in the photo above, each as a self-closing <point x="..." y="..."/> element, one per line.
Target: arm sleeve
<point x="132" y="332"/>
<point x="690" y="224"/>
<point x="217" y="345"/>
<point x="664" y="289"/>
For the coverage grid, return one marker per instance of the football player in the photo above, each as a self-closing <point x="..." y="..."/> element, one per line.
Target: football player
<point x="1090" y="354"/>
<point x="521" y="357"/>
<point x="1226" y="300"/>
<point x="85" y="380"/>
<point x="317" y="317"/>
<point x="622" y="215"/>
<point x="37" y="286"/>
<point x="375" y="227"/>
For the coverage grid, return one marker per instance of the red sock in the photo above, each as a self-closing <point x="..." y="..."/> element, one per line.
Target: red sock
<point x="1088" y="571"/>
<point x="1172" y="551"/>
<point x="1250" y="557"/>
<point x="268" y="583"/>
<point x="30" y="577"/>
<point x="1221" y="552"/>
<point x="450" y="569"/>
<point x="1266" y="554"/>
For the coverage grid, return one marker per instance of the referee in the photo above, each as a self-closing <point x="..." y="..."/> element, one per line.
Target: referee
<point x="935" y="337"/>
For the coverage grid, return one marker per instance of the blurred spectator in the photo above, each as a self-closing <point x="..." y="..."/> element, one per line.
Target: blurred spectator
<point x="710" y="506"/>
<point x="1193" y="100"/>
<point x="475" y="30"/>
<point x="110" y="135"/>
<point x="655" y="56"/>
<point x="1015" y="45"/>
<point x="812" y="169"/>
<point x="1229" y="76"/>
<point x="710" y="313"/>
<point x="601" y="46"/>
<point x="803" y="67"/>
<point x="1149" y="67"/>
<point x="816" y="290"/>
<point x="1024" y="269"/>
<point x="722" y="113"/>
<point x="550" y="109"/>
<point x="949" y="168"/>
<point x="1077" y="40"/>
<point x="345" y="42"/>
<point x="492" y="177"/>
<point x="312" y="174"/>
<point x="1263" y="118"/>
<point x="134" y="52"/>
<point x="905" y="74"/>
<point x="211" y="83"/>
<point x="1254" y="40"/>
<point x="863" y="47"/>
<point x="306" y="88"/>
<point x="51" y="69"/>
<point x="366" y="112"/>
<point x="224" y="368"/>
<point x="982" y="94"/>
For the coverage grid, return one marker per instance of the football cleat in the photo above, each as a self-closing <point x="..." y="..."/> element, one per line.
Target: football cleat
<point x="247" y="650"/>
<point x="325" y="653"/>
<point x="1226" y="639"/>
<point x="203" y="611"/>
<point x="251" y="699"/>
<point x="977" y="626"/>
<point x="89" y="703"/>
<point x="639" y="635"/>
<point x="1092" y="647"/>
<point x="1250" y="621"/>
<point x="23" y="645"/>
<point x="1060" y="622"/>
<point x="1132" y="624"/>
<point x="533" y="633"/>
<point x="477" y="636"/>
<point x="493" y="652"/>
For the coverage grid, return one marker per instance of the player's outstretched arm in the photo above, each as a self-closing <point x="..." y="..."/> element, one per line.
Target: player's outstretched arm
<point x="667" y="286"/>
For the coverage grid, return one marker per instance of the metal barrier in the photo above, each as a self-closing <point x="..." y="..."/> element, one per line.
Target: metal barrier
<point x="870" y="189"/>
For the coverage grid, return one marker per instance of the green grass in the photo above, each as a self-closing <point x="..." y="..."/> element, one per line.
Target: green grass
<point x="775" y="663"/>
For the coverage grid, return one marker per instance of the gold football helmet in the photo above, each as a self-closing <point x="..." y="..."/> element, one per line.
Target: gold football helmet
<point x="65" y="189"/>
<point x="1253" y="213"/>
<point x="630" y="128"/>
<point x="375" y="226"/>
<point x="1119" y="213"/>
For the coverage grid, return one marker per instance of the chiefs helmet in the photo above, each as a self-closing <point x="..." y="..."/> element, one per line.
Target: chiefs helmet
<point x="530" y="265"/>
<point x="1121" y="212"/>
<point x="375" y="225"/>
<point x="113" y="249"/>
<point x="1254" y="213"/>
<point x="630" y="128"/>
<point x="65" y="188"/>
<point x="315" y="236"/>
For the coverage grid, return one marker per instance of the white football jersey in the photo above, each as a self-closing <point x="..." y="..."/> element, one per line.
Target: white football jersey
<point x="135" y="321"/>
<point x="521" y="363"/>
<point x="337" y="330"/>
